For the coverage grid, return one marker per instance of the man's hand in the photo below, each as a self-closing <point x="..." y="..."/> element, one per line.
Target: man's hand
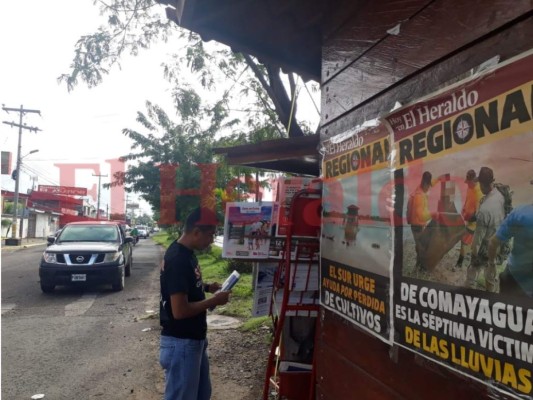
<point x="214" y="287"/>
<point x="220" y="298"/>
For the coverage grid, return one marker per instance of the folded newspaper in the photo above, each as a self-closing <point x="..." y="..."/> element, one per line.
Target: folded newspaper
<point x="230" y="281"/>
<point x="228" y="284"/>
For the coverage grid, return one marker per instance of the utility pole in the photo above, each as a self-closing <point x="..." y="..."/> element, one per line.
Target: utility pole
<point x="34" y="179"/>
<point x="98" y="202"/>
<point x="14" y="240"/>
<point x="132" y="207"/>
<point x="126" y="208"/>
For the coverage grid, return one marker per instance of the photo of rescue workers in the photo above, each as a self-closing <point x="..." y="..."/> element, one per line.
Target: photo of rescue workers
<point x="468" y="218"/>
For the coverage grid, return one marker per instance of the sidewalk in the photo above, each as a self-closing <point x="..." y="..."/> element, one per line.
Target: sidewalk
<point x="219" y="240"/>
<point x="24" y="243"/>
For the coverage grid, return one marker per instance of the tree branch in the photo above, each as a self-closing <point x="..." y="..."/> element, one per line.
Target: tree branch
<point x="278" y="94"/>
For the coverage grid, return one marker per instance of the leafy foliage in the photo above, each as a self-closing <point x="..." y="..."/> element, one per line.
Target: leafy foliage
<point x="185" y="144"/>
<point x="270" y="96"/>
<point x="162" y="141"/>
<point x="9" y="207"/>
<point x="144" y="219"/>
<point x="131" y="25"/>
<point x="264" y="98"/>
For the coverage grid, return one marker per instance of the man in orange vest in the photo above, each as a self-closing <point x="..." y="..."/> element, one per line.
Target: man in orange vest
<point x="470" y="207"/>
<point x="419" y="215"/>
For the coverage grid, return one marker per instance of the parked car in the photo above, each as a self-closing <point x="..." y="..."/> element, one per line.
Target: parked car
<point x="87" y="252"/>
<point x="142" y="231"/>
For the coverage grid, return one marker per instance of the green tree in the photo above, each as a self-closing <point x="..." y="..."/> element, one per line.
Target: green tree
<point x="185" y="143"/>
<point x="6" y="223"/>
<point x="267" y="112"/>
<point x="133" y="25"/>
<point x="144" y="219"/>
<point x="9" y="208"/>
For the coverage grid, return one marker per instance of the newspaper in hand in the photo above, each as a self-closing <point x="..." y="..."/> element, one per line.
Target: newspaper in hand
<point x="228" y="284"/>
<point x="230" y="281"/>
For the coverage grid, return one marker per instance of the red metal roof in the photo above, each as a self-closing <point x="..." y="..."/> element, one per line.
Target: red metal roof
<point x="36" y="196"/>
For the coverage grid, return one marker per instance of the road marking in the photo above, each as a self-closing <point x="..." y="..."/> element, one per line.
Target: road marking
<point x="79" y="307"/>
<point x="7" y="307"/>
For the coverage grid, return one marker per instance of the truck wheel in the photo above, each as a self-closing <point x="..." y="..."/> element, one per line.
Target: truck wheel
<point x="117" y="287"/>
<point x="47" y="288"/>
<point x="128" y="267"/>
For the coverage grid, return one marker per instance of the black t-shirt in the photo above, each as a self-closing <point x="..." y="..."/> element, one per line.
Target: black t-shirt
<point x="181" y="274"/>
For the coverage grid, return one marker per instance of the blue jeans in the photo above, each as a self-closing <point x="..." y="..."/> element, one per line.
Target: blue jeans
<point x="186" y="368"/>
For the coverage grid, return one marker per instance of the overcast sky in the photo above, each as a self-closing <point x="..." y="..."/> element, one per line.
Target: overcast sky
<point x="84" y="126"/>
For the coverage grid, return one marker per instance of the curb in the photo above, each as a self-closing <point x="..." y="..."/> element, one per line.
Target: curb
<point x="22" y="246"/>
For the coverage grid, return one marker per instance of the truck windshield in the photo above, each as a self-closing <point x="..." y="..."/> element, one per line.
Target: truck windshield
<point x="88" y="233"/>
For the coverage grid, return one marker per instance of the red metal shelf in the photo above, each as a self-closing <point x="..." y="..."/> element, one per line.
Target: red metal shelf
<point x="293" y="385"/>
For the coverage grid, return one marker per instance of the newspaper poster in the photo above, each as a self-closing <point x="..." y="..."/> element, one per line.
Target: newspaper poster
<point x="263" y="288"/>
<point x="463" y="266"/>
<point x="356" y="241"/>
<point x="277" y="248"/>
<point x="247" y="230"/>
<point x="303" y="284"/>
<point x="287" y="188"/>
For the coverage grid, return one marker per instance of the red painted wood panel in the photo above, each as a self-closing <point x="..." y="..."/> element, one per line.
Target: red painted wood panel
<point x="347" y="380"/>
<point x="507" y="43"/>
<point x="352" y="364"/>
<point x="338" y="13"/>
<point x="440" y="29"/>
<point x="364" y="29"/>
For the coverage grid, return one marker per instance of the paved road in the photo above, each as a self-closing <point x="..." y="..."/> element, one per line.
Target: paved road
<point x="79" y="343"/>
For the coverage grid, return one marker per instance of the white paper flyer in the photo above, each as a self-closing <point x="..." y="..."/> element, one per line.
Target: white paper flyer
<point x="247" y="230"/>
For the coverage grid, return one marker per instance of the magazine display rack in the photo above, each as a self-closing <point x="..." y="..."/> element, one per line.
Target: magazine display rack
<point x="295" y="299"/>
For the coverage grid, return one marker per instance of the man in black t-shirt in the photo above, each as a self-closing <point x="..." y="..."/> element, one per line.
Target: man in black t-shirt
<point x="183" y="309"/>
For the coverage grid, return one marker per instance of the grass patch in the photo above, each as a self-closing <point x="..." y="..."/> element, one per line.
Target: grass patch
<point x="162" y="238"/>
<point x="216" y="269"/>
<point x="253" y="324"/>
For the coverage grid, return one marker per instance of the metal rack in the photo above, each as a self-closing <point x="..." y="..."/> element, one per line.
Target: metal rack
<point x="296" y="278"/>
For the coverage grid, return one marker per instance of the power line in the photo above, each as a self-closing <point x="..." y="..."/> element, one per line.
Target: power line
<point x="40" y="174"/>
